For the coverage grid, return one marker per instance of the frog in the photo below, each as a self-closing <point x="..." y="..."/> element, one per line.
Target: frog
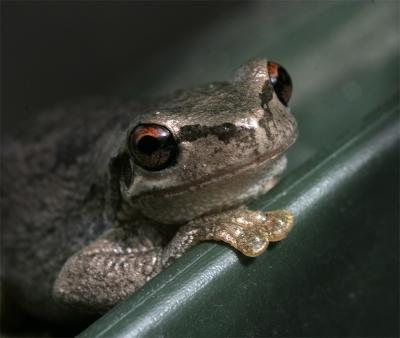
<point x="101" y="195"/>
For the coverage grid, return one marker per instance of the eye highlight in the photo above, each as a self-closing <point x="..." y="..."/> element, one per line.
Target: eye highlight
<point x="281" y="81"/>
<point x="152" y="146"/>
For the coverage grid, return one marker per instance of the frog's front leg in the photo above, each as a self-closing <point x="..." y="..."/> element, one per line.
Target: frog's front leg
<point x="246" y="230"/>
<point x="109" y="269"/>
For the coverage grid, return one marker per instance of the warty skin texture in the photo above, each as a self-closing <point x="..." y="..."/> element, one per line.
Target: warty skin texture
<point x="75" y="201"/>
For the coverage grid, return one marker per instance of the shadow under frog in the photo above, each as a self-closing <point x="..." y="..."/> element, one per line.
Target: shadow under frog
<point x="100" y="196"/>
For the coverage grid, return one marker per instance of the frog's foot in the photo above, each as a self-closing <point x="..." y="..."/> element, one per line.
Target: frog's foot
<point x="248" y="231"/>
<point x="278" y="224"/>
<point x="251" y="231"/>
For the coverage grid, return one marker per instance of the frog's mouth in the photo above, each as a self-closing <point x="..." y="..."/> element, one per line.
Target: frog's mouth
<point x="222" y="174"/>
<point x="180" y="204"/>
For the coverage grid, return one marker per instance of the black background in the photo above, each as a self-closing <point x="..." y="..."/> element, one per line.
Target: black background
<point x="54" y="51"/>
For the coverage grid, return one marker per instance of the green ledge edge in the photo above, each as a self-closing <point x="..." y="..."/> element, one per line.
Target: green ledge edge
<point x="335" y="274"/>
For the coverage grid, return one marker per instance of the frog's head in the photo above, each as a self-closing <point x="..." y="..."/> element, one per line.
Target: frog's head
<point x="209" y="148"/>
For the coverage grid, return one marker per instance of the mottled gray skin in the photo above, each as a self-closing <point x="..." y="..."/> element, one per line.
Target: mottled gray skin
<point x="83" y="225"/>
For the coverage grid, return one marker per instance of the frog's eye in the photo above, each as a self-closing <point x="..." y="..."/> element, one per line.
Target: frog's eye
<point x="281" y="81"/>
<point x="152" y="146"/>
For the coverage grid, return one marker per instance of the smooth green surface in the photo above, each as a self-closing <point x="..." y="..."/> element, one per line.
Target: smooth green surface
<point x="337" y="272"/>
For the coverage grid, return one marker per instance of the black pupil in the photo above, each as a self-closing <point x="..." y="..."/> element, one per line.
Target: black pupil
<point x="148" y="145"/>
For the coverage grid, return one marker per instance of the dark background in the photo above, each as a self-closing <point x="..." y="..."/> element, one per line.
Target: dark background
<point x="53" y="51"/>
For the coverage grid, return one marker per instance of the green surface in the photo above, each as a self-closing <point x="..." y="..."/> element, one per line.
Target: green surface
<point x="337" y="272"/>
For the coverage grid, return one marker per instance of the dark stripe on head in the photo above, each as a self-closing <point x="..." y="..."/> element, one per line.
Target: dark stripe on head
<point x="224" y="132"/>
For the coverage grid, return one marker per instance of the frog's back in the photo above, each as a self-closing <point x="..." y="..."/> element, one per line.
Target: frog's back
<point x="53" y="193"/>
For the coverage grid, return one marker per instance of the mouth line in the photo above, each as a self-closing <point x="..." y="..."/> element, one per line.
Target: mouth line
<point x="176" y="190"/>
